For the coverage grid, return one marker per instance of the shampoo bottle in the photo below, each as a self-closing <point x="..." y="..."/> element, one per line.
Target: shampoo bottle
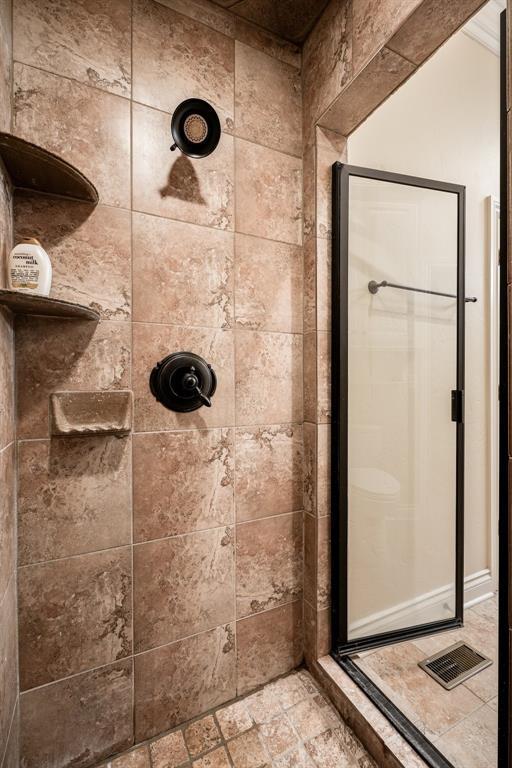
<point x="29" y="269"/>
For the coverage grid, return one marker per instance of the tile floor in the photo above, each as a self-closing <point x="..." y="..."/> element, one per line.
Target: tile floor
<point x="462" y="723"/>
<point x="287" y="724"/>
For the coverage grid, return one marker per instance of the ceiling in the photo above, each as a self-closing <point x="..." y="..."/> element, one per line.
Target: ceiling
<point x="485" y="25"/>
<point x="290" y="19"/>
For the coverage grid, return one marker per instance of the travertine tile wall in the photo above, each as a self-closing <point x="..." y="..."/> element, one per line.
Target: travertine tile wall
<point x="140" y="607"/>
<point x="8" y="610"/>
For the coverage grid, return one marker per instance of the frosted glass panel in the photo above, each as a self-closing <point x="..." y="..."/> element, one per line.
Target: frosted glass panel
<point x="402" y="355"/>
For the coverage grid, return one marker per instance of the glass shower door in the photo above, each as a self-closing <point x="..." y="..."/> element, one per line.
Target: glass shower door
<point x="398" y="311"/>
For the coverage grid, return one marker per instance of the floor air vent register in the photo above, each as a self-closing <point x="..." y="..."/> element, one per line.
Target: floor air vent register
<point x="454" y="665"/>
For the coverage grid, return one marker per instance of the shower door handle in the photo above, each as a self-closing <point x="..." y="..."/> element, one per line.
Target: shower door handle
<point x="457" y="405"/>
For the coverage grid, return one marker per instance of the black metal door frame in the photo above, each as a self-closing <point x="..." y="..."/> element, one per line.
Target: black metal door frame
<point x="505" y="538"/>
<point x="341" y="645"/>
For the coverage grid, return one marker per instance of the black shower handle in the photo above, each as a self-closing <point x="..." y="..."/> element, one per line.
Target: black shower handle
<point x="203" y="398"/>
<point x="190" y="381"/>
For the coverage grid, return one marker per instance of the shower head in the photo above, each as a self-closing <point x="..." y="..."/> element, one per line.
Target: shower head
<point x="195" y="128"/>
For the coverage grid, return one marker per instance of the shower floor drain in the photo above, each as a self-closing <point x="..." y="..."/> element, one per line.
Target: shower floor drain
<point x="454" y="665"/>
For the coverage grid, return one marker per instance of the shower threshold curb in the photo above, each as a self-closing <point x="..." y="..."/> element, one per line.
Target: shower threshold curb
<point x="380" y="738"/>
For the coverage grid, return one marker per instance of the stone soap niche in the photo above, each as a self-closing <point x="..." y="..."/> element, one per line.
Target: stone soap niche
<point x="91" y="413"/>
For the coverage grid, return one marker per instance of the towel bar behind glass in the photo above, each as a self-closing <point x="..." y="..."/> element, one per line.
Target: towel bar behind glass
<point x="373" y="287"/>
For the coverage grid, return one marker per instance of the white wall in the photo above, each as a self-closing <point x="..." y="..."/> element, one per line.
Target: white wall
<point x="444" y="124"/>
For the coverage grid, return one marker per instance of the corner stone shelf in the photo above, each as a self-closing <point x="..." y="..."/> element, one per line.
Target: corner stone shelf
<point x="28" y="304"/>
<point x="36" y="169"/>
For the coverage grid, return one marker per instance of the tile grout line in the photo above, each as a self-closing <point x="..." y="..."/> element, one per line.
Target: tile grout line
<point x="235" y="453"/>
<point x="133" y="692"/>
<point x="133" y="656"/>
<point x="15" y="572"/>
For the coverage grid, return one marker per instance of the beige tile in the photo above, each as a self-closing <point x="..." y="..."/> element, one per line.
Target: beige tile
<point x="268" y="105"/>
<point x="58" y="113"/>
<point x="268" y="471"/>
<point x="278" y="735"/>
<point x="308" y="681"/>
<point x="312" y="717"/>
<point x="309" y="291"/>
<point x="433" y="711"/>
<point x="77" y="356"/>
<point x="268" y="563"/>
<point x="329" y="750"/>
<point x="323" y="624"/>
<point x="323" y="281"/>
<point x="289" y="690"/>
<point x="268" y="281"/>
<point x="310" y="630"/>
<point x="191" y="282"/>
<point x="323" y="584"/>
<point x="216" y="759"/>
<point x="223" y="21"/>
<point x="327" y="59"/>
<point x="429" y="26"/>
<point x="169" y="751"/>
<point x="263" y="705"/>
<point x="175" y="58"/>
<point x="268" y="377"/>
<point x="296" y="758"/>
<point x="179" y="681"/>
<point x="5" y="64"/>
<point x="8" y="661"/>
<point x="234" y="719"/>
<point x="86" y="715"/>
<point x="154" y="342"/>
<point x="292" y="19"/>
<point x="206" y="12"/>
<point x="167" y="498"/>
<point x="324" y="470"/>
<point x="73" y="496"/>
<point x="268" y="193"/>
<point x="373" y="24"/>
<point x="268" y="644"/>
<point x="202" y="736"/>
<point x="310" y="468"/>
<point x="8" y="555"/>
<point x="6" y="202"/>
<point x="71" y="38"/>
<point x="485" y="683"/>
<point x="310" y="559"/>
<point x="74" y="614"/>
<point x="309" y="185"/>
<point x="385" y="72"/>
<point x="323" y="406"/>
<point x="247" y="750"/>
<point x="331" y="147"/>
<point x="7" y="409"/>
<point x="90" y="250"/>
<point x="137" y="758"/>
<point x="472" y="743"/>
<point x="263" y="40"/>
<point x="172" y="185"/>
<point x="310" y="377"/>
<point x="12" y="749"/>
<point x="182" y="586"/>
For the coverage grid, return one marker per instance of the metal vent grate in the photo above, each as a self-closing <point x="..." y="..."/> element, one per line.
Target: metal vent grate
<point x="454" y="665"/>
